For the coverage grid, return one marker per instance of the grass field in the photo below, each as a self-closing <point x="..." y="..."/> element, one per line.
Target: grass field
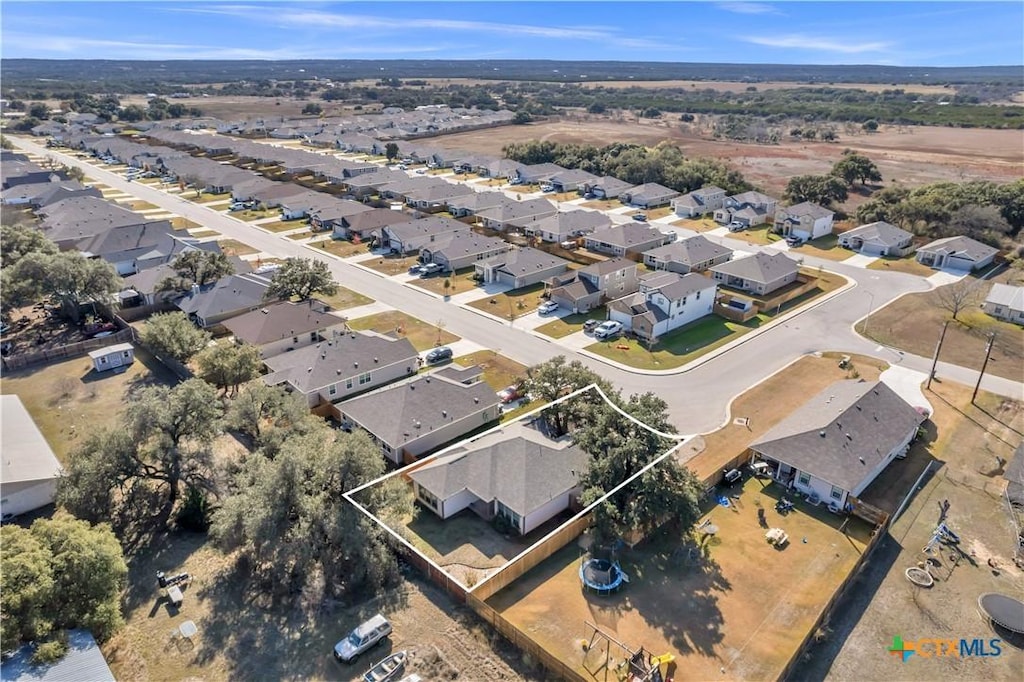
<point x="570" y="324"/>
<point x="285" y="225"/>
<point x="511" y="304"/>
<point x="341" y="247"/>
<point x="199" y="234"/>
<point x="824" y="247"/>
<point x="391" y="265"/>
<point x="343" y="299"/>
<point x="907" y="264"/>
<point x="697" y="224"/>
<point x="422" y="335"/>
<point x="233" y="247"/>
<point x="499" y="371"/>
<point x="461" y="281"/>
<point x="760" y="235"/>
<point x="179" y="223"/>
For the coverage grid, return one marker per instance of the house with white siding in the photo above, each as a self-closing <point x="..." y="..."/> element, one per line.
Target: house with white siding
<point x="1005" y="302"/>
<point x="28" y="468"/>
<point x="665" y="301"/>
<point x="804" y="221"/>
<point x="878" y="239"/>
<point x="760" y="274"/>
<point x="699" y="202"/>
<point x="956" y="253"/>
<point x="696" y="254"/>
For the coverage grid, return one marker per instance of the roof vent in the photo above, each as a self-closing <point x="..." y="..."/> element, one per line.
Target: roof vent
<point x="821" y="433"/>
<point x="309" y="369"/>
<point x="338" y="371"/>
<point x="356" y="364"/>
<point x="376" y="359"/>
<point x="444" y="413"/>
<point x="476" y="400"/>
<point x="849" y="437"/>
<point x="862" y="460"/>
<point x="417" y="424"/>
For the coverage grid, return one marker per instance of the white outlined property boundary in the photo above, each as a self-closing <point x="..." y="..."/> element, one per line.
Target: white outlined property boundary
<point x="680" y="441"/>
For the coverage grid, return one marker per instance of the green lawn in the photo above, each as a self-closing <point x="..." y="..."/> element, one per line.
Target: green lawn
<point x="285" y="225"/>
<point x="460" y="282"/>
<point x="512" y="304"/>
<point x="233" y="247"/>
<point x="823" y="247"/>
<point x="391" y="265"/>
<point x="570" y="324"/>
<point x="756" y="235"/>
<point x="499" y="371"/>
<point x="341" y="247"/>
<point x="908" y="265"/>
<point x="422" y="335"/>
<point x="679" y="347"/>
<point x="251" y="215"/>
<point x="344" y="299"/>
<point x="204" y="232"/>
<point x="206" y="198"/>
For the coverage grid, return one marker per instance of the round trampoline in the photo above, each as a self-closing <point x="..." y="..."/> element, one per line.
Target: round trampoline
<point x="601" y="575"/>
<point x="1004" y="611"/>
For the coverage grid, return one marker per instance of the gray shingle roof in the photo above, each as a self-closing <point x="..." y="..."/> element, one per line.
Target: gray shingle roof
<point x="881" y="233"/>
<point x="228" y="294"/>
<point x="761" y="267"/>
<point x="525" y="260"/>
<point x="282" y="320"/>
<point x="346" y="355"/>
<point x="399" y="414"/>
<point x="698" y="249"/>
<point x="805" y="208"/>
<point x="963" y="247"/>
<point x="862" y="423"/>
<point x="518" y="466"/>
<point x="674" y="286"/>
<point x="1006" y="295"/>
<point x="627" y="235"/>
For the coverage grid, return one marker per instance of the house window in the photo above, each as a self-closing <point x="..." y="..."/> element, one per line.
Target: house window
<point x="512" y="517"/>
<point x="295" y="339"/>
<point x="427" y="498"/>
<point x="333" y="390"/>
<point x="348" y="383"/>
<point x="312" y="336"/>
<point x="804" y="478"/>
<point x="364" y="378"/>
<point x="698" y="297"/>
<point x="837" y="493"/>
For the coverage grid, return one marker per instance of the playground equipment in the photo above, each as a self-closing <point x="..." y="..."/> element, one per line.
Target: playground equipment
<point x="942" y="534"/>
<point x="602" y="575"/>
<point x="633" y="666"/>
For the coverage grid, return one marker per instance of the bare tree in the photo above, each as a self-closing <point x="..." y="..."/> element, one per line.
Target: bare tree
<point x="958" y="296"/>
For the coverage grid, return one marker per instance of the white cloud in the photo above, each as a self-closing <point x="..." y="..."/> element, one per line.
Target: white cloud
<point x="748" y="8"/>
<point x="803" y="42"/>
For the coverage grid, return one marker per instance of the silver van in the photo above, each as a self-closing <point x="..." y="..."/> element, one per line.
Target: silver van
<point x="364" y="637"/>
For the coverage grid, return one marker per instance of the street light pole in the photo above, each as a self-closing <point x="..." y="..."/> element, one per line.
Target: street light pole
<point x="988" y="353"/>
<point x="935" y="358"/>
<point x="871" y="306"/>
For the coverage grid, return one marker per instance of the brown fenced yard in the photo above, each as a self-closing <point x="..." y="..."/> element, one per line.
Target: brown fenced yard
<point x="734" y="602"/>
<point x="422" y="335"/>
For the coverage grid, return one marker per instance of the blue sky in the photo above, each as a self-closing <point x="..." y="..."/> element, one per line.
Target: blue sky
<point x="899" y="33"/>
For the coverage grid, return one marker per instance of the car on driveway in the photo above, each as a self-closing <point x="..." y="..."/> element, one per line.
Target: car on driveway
<point x="735" y="226"/>
<point x="793" y="240"/>
<point x="416" y="269"/>
<point x="431" y="269"/>
<point x="509" y="394"/>
<point x="547" y="307"/>
<point x="640" y="217"/>
<point x="439" y="354"/>
<point x="364" y="637"/>
<point x="590" y="325"/>
<point x="607" y="330"/>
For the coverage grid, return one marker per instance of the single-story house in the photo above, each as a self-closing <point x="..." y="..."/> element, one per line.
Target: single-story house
<point x="469" y="204"/>
<point x="284" y="326"/>
<point x="209" y="305"/>
<point x="665" y="301"/>
<point x="695" y="254"/>
<point x="435" y="198"/>
<point x="412" y="236"/>
<point x="327" y="218"/>
<point x="517" y="472"/>
<point x="463" y="249"/>
<point x="28" y="468"/>
<point x="878" y="239"/>
<point x="760" y="274"/>
<point x="412" y="418"/>
<point x="342" y="366"/>
<point x="631" y="237"/>
<point x="533" y="174"/>
<point x="302" y="205"/>
<point x="608" y="187"/>
<point x="804" y="221"/>
<point x="564" y="225"/>
<point x="649" y="195"/>
<point x="502" y="216"/>
<point x="749" y="208"/>
<point x="112" y="357"/>
<point x="83" y="661"/>
<point x="589" y="287"/>
<point x="956" y="253"/>
<point x="837" y="443"/>
<point x="367" y="225"/>
<point x="699" y="202"/>
<point x="520" y="267"/>
<point x="1005" y="302"/>
<point x="571" y="180"/>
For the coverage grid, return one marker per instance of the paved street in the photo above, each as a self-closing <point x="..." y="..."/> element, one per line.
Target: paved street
<point x="698" y="399"/>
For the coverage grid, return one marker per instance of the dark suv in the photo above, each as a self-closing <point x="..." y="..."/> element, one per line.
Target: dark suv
<point x="440" y="354"/>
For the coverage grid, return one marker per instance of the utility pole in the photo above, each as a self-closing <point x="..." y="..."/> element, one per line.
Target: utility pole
<point x="935" y="358"/>
<point x="871" y="305"/>
<point x="988" y="352"/>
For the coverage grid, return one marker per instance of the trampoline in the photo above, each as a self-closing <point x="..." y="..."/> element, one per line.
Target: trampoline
<point x="602" y="576"/>
<point x="1004" y="611"/>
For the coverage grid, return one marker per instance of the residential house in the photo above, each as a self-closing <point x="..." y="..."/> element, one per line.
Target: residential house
<point x="627" y="238"/>
<point x="329" y="218"/>
<point x="502" y="216"/>
<point x="804" y="221"/>
<point x="284" y="326"/>
<point x="131" y="248"/>
<point x="83" y="661"/>
<point x="209" y="305"/>
<point x="607" y="187"/>
<point x="500" y="168"/>
<point x="878" y="239"/>
<point x="1005" y="302"/>
<point x="582" y="290"/>
<point x="520" y="267"/>
<point x="435" y="198"/>
<point x="469" y="204"/>
<point x="699" y="202"/>
<point x="649" y="195"/>
<point x="665" y="301"/>
<point x="695" y="254"/>
<point x="368" y="184"/>
<point x="246" y="191"/>
<point x="760" y="274"/>
<point x="278" y="194"/>
<point x="302" y="205"/>
<point x="571" y="180"/>
<point x="412" y="236"/>
<point x="28" y="468"/>
<point x="564" y="225"/>
<point x="748" y="209"/>
<point x="837" y="443"/>
<point x="366" y="226"/>
<point x="413" y="418"/>
<point x="956" y="253"/>
<point x="112" y="357"/>
<point x="518" y="473"/>
<point x="402" y="188"/>
<point x="36" y="194"/>
<point x="342" y="366"/>
<point x="463" y="249"/>
<point x="534" y="174"/>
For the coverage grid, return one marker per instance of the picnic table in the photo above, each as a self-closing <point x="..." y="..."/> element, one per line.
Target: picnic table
<point x="776" y="537"/>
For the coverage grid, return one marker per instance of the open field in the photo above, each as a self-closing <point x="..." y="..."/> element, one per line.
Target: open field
<point x="729" y="602"/>
<point x="422" y="335"/>
<point x="511" y="304"/>
<point x="913" y="323"/>
<point x="915" y="155"/>
<point x="68" y="400"/>
<point x="963" y="445"/>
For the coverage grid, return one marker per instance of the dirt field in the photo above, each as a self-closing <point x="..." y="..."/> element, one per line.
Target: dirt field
<point x="732" y="608"/>
<point x="914" y="155"/>
<point x="422" y="335"/>
<point x="964" y="446"/>
<point x="243" y="636"/>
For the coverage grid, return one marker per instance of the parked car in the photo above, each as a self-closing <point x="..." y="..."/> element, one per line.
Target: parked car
<point x="439" y="354"/>
<point x="420" y="171"/>
<point x="547" y="188"/>
<point x="416" y="269"/>
<point x="640" y="217"/>
<point x="589" y="195"/>
<point x="793" y="240"/>
<point x="590" y="325"/>
<point x="431" y="269"/>
<point x="736" y="226"/>
<point x="607" y="330"/>
<point x="509" y="394"/>
<point x="365" y="636"/>
<point x="547" y="307"/>
<point x="238" y="206"/>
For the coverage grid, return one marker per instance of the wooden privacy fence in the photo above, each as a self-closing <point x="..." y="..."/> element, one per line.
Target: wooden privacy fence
<point x="71" y="350"/>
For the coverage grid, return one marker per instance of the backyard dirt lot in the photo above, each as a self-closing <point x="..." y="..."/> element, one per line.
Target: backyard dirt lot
<point x="914" y="155"/>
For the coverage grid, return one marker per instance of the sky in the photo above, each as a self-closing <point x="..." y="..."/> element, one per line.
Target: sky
<point x="933" y="33"/>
